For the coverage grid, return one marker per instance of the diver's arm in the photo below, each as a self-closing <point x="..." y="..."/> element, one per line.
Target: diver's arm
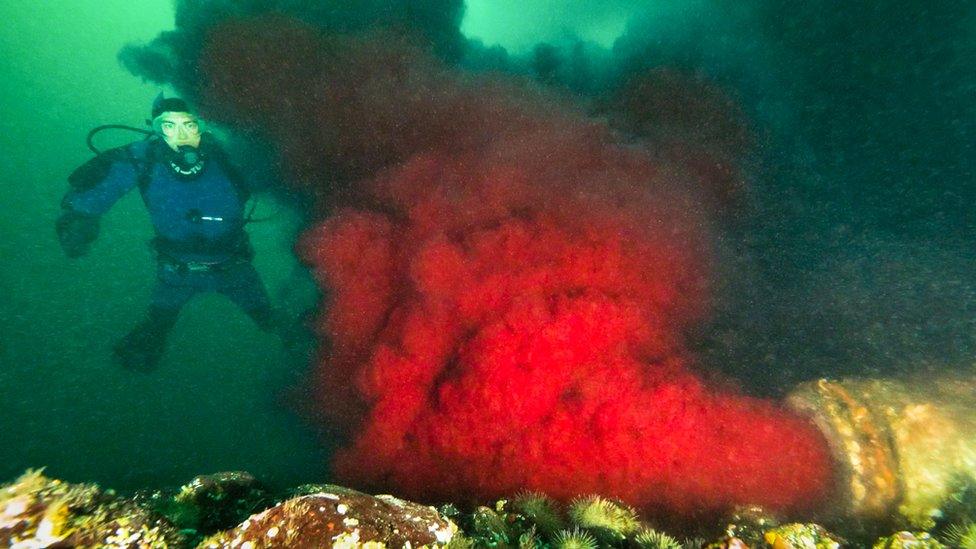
<point x="76" y="232"/>
<point x="95" y="187"/>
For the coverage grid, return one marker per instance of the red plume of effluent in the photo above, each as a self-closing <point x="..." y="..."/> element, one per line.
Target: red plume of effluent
<point x="506" y="311"/>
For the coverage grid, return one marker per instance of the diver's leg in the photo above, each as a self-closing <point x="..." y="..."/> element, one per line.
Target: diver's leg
<point x="142" y="348"/>
<point x="242" y="284"/>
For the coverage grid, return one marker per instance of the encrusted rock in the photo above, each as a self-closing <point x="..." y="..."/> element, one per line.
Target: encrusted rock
<point x="802" y="536"/>
<point x="908" y="540"/>
<point x="37" y="512"/>
<point x="219" y="486"/>
<point x="339" y="517"/>
<point x="728" y="542"/>
<point x="749" y="524"/>
<point x="209" y="503"/>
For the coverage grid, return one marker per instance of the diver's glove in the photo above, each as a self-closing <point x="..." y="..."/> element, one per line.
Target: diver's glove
<point x="76" y="232"/>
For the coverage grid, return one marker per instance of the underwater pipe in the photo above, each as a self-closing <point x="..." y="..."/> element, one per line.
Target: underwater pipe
<point x="900" y="447"/>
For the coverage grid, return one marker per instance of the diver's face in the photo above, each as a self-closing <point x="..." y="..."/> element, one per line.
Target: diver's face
<point x="178" y="129"/>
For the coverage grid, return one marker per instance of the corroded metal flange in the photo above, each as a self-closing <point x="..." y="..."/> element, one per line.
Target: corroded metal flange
<point x="899" y="446"/>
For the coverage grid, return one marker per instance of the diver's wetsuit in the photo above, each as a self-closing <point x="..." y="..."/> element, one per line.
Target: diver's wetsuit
<point x="200" y="240"/>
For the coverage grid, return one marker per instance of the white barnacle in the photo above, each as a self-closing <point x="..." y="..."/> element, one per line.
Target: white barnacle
<point x="45" y="532"/>
<point x="444" y="534"/>
<point x="342" y="508"/>
<point x="272" y="532"/>
<point x="16" y="506"/>
<point x="347" y="540"/>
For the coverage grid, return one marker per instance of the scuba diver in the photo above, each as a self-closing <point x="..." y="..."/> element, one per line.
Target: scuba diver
<point x="196" y="202"/>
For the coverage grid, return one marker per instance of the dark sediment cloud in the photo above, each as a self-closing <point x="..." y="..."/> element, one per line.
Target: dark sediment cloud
<point x="862" y="167"/>
<point x="172" y="57"/>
